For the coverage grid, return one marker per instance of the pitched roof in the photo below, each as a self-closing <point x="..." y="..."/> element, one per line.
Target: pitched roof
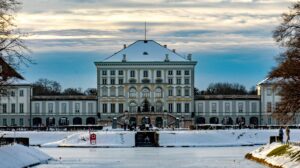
<point x="7" y="71"/>
<point x="269" y="81"/>
<point x="145" y="50"/>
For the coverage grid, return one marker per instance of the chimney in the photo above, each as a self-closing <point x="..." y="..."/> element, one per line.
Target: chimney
<point x="174" y="51"/>
<point x="189" y="57"/>
<point x="167" y="58"/>
<point x="165" y="46"/>
<point x="124" y="46"/>
<point x="124" y="58"/>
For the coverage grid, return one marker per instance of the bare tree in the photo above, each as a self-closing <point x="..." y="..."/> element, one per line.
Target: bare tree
<point x="287" y="73"/>
<point x="12" y="48"/>
<point x="46" y="87"/>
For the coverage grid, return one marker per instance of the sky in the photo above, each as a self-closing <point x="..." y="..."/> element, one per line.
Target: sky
<point x="230" y="39"/>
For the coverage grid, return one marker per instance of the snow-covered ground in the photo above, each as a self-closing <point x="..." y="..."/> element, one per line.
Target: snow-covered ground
<point x="120" y="138"/>
<point x="277" y="154"/>
<point x="15" y="156"/>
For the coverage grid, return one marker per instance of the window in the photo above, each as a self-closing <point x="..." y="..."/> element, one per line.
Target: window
<point x="178" y="91"/>
<point x="186" y="81"/>
<point x="170" y="72"/>
<point x="112" y="81"/>
<point x="4" y="122"/>
<point x="276" y="105"/>
<point x="120" y="81"/>
<point x="12" y="122"/>
<point x="13" y="108"/>
<point x="227" y="107"/>
<point x="145" y="74"/>
<point x="112" y="108"/>
<point x="132" y="74"/>
<point x="12" y="93"/>
<point x="178" y="107"/>
<point x="269" y="107"/>
<point x="21" y="122"/>
<point x="186" y="92"/>
<point x="254" y="107"/>
<point x="186" y="107"/>
<point x="77" y="107"/>
<point x="132" y="92"/>
<point x="170" y="91"/>
<point x="120" y="72"/>
<point x="21" y="93"/>
<point x="145" y="93"/>
<point x="64" y="108"/>
<point x="21" y="108"/>
<point x="104" y="72"/>
<point x="158" y="92"/>
<point x="170" y="81"/>
<point x="186" y="72"/>
<point x="37" y="107"/>
<point x="214" y="107"/>
<point x="121" y="91"/>
<point x="178" y="81"/>
<point x="104" y="81"/>
<point x="240" y="107"/>
<point x="121" y="108"/>
<point x="4" y="108"/>
<point x="158" y="74"/>
<point x="112" y="73"/>
<point x="269" y="120"/>
<point x="159" y="107"/>
<point x="170" y="107"/>
<point x="90" y="108"/>
<point x="269" y="91"/>
<point x="50" y="108"/>
<point x="178" y="72"/>
<point x="200" y="108"/>
<point x="113" y="91"/>
<point x="104" y="108"/>
<point x="132" y="107"/>
<point x="104" y="91"/>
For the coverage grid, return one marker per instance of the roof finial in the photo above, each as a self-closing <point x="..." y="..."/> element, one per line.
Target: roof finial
<point x="145" y="31"/>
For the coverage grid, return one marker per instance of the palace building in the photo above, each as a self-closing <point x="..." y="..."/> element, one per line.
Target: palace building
<point x="143" y="83"/>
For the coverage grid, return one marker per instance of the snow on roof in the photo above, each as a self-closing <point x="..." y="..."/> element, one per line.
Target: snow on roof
<point x="145" y="50"/>
<point x="269" y="81"/>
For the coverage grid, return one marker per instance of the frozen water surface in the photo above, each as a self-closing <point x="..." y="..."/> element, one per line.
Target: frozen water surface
<point x="204" y="157"/>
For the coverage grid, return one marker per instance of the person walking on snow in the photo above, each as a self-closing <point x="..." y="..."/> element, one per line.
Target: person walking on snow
<point x="287" y="132"/>
<point x="281" y="134"/>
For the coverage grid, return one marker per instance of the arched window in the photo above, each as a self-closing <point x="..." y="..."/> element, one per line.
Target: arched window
<point x="113" y="91"/>
<point x="132" y="107"/>
<point x="121" y="91"/>
<point x="145" y="93"/>
<point x="132" y="92"/>
<point x="158" y="92"/>
<point x="104" y="91"/>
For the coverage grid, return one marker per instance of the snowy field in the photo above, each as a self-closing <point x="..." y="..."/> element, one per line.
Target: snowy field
<point x="205" y="157"/>
<point x="201" y="138"/>
<point x="15" y="156"/>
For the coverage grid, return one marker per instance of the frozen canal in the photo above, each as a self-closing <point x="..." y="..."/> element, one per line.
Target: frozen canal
<point x="218" y="157"/>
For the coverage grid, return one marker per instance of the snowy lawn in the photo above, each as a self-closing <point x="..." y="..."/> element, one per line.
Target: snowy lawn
<point x="15" y="156"/>
<point x="120" y="138"/>
<point x="277" y="154"/>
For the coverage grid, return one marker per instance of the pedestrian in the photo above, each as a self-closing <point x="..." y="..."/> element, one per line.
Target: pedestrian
<point x="287" y="132"/>
<point x="280" y="135"/>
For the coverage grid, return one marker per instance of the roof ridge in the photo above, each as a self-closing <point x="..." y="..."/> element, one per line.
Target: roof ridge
<point x="153" y="43"/>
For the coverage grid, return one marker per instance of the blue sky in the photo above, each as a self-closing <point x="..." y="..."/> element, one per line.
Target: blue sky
<point x="230" y="39"/>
